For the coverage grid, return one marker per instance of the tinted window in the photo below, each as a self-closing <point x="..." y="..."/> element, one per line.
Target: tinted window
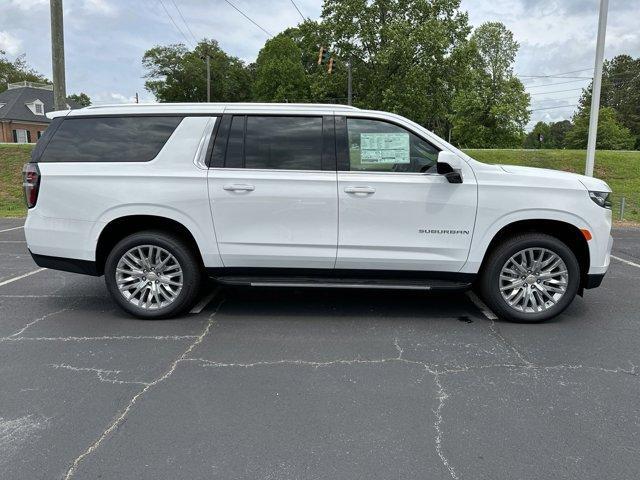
<point x="44" y="138"/>
<point x="235" y="145"/>
<point x="292" y="143"/>
<point x="109" y="139"/>
<point x="384" y="147"/>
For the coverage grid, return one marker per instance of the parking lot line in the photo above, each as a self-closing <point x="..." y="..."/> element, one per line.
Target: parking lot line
<point x="11" y="229"/>
<point x="625" y="261"/>
<point x="486" y="311"/>
<point x="6" y="282"/>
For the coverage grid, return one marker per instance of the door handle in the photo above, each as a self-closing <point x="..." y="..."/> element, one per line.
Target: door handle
<point x="365" y="190"/>
<point x="237" y="187"/>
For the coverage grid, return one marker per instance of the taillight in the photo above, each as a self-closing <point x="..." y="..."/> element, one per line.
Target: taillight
<point x="31" y="183"/>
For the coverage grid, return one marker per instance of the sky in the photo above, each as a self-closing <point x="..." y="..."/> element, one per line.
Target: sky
<point x="106" y="39"/>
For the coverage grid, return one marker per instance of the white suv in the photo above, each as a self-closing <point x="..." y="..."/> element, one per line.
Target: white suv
<point x="156" y="197"/>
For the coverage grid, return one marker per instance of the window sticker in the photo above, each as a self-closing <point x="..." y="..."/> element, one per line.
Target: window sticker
<point x="384" y="148"/>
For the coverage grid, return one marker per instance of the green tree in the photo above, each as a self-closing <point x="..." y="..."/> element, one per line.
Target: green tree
<point x="532" y="141"/>
<point x="612" y="135"/>
<point x="177" y="74"/>
<point x="558" y="132"/>
<point x="493" y="109"/>
<point x="279" y="73"/>
<point x="409" y="57"/>
<point x="554" y="135"/>
<point x="309" y="36"/>
<point x="17" y="71"/>
<point x="620" y="91"/>
<point x="81" y="99"/>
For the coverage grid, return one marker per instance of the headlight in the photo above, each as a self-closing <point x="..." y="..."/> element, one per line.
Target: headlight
<point x="603" y="199"/>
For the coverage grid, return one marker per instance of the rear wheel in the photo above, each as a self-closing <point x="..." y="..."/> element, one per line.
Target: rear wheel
<point x="530" y="278"/>
<point x="153" y="275"/>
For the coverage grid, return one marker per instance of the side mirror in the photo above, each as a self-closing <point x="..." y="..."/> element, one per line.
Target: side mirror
<point x="450" y="166"/>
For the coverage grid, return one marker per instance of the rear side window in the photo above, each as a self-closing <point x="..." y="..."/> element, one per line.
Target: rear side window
<point x="287" y="143"/>
<point x="235" y="144"/>
<point x="109" y="139"/>
<point x="44" y="138"/>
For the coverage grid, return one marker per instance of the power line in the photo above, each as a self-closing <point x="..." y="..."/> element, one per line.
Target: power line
<point x="174" y="22"/>
<point x="551" y="108"/>
<point x="554" y="76"/>
<point x="303" y="17"/>
<point x="611" y="75"/>
<point x="551" y="75"/>
<point x="554" y="84"/>
<point x="553" y="99"/>
<point x="185" y="22"/>
<point x="557" y="91"/>
<point x="248" y="18"/>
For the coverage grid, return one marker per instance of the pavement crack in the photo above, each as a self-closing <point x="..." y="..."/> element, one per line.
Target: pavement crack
<point x="501" y="338"/>
<point x="104" y="337"/>
<point x="633" y="371"/>
<point x="121" y="417"/>
<point x="437" y="425"/>
<point x="398" y="348"/>
<point x="33" y="322"/>
<point x="102" y="374"/>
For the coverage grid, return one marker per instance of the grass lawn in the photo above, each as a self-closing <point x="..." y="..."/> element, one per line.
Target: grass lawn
<point x="12" y="158"/>
<point x="621" y="170"/>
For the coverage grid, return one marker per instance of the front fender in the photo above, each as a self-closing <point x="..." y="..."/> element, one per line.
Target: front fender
<point x="484" y="234"/>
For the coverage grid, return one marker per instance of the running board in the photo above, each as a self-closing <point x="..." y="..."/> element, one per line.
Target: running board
<point x="384" y="284"/>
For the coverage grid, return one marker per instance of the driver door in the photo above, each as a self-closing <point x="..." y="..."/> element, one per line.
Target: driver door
<point x="395" y="211"/>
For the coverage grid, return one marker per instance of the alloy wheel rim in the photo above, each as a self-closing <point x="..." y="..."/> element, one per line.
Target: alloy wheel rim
<point x="149" y="277"/>
<point x="533" y="280"/>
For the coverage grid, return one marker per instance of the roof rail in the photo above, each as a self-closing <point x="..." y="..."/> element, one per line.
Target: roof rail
<point x="334" y="106"/>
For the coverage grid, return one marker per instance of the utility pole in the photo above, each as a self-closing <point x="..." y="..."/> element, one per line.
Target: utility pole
<point x="207" y="60"/>
<point x="349" y="83"/>
<point x="597" y="87"/>
<point x="208" y="78"/>
<point x="57" y="56"/>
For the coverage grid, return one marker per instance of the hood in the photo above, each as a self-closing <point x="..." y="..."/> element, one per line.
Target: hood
<point x="545" y="174"/>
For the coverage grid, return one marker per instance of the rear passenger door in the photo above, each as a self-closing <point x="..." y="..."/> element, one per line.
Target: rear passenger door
<point x="272" y="188"/>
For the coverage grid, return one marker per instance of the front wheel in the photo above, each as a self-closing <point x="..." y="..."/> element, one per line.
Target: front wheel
<point x="530" y="278"/>
<point x="153" y="275"/>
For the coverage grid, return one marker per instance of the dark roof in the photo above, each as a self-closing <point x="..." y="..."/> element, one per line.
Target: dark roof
<point x="15" y="101"/>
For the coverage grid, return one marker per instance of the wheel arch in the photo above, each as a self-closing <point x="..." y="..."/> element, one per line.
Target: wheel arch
<point x="120" y="227"/>
<point x="566" y="232"/>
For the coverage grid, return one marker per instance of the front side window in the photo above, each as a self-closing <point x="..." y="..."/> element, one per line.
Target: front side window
<point x="286" y="143"/>
<point x="378" y="146"/>
<point x="109" y="139"/>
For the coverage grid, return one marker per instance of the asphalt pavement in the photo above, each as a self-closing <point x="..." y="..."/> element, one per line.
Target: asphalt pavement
<point x="314" y="384"/>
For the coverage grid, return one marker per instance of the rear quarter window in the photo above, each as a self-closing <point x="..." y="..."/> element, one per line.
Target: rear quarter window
<point x="109" y="139"/>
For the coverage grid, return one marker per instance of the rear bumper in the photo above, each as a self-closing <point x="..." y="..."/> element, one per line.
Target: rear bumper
<point x="74" y="265"/>
<point x="593" y="280"/>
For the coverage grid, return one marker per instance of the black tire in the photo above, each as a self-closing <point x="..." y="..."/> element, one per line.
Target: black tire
<point x="489" y="284"/>
<point x="191" y="271"/>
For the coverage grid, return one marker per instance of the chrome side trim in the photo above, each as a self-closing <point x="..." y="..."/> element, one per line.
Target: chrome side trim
<point x="200" y="159"/>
